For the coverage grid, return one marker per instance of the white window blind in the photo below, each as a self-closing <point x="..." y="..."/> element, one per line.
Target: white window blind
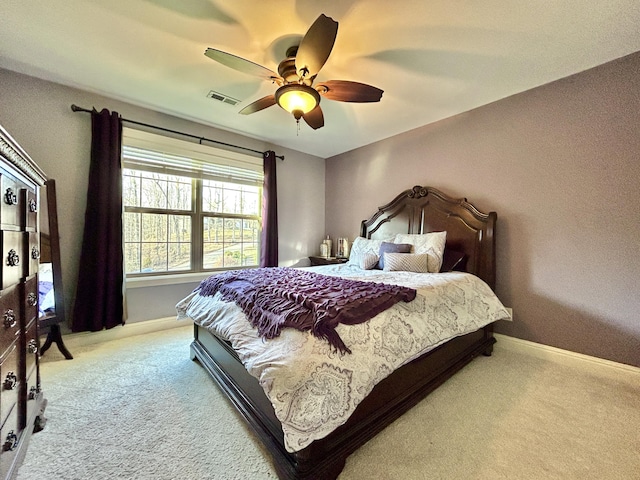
<point x="178" y="157"/>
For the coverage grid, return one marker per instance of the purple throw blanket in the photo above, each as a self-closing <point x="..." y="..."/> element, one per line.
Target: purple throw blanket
<point x="273" y="298"/>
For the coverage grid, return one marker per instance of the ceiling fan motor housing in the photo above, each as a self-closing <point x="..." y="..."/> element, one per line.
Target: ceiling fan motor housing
<point x="287" y="70"/>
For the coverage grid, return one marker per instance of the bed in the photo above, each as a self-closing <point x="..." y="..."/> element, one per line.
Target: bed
<point x="470" y="249"/>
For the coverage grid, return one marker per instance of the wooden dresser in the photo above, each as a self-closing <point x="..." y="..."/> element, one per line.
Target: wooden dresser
<point x="21" y="399"/>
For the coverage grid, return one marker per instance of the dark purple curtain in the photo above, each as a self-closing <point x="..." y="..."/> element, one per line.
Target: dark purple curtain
<point x="99" y="297"/>
<point x="269" y="240"/>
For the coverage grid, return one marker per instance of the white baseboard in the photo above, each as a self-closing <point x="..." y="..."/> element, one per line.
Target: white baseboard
<point x="75" y="340"/>
<point x="559" y="355"/>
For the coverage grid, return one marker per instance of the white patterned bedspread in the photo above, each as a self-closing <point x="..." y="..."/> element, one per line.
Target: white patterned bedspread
<point x="313" y="389"/>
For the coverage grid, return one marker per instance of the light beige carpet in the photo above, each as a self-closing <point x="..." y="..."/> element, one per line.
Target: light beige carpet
<point x="139" y="408"/>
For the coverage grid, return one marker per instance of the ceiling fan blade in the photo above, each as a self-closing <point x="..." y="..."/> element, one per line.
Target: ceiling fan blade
<point x="314" y="118"/>
<point x="258" y="105"/>
<point x="316" y="46"/>
<point x="346" y="91"/>
<point x="242" y="65"/>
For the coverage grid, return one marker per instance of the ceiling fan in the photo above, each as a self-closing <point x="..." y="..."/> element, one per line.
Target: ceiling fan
<point x="296" y="74"/>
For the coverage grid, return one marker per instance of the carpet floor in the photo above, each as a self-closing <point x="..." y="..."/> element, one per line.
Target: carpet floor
<point x="139" y="408"/>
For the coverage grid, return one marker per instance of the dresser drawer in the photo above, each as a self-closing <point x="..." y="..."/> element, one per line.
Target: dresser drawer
<point x="10" y="201"/>
<point x="31" y="380"/>
<point x="12" y="257"/>
<point x="10" y="300"/>
<point x="30" y="297"/>
<point x="33" y="394"/>
<point x="9" y="437"/>
<point x="9" y="382"/>
<point x="32" y="347"/>
<point x="31" y="254"/>
<point x="30" y="207"/>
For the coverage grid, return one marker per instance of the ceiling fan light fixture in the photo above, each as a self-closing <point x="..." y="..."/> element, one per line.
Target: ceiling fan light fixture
<point x="297" y="99"/>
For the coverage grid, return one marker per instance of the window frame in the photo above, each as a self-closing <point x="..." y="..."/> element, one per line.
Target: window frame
<point x="198" y="171"/>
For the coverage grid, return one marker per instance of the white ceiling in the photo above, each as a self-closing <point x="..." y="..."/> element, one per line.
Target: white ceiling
<point x="432" y="58"/>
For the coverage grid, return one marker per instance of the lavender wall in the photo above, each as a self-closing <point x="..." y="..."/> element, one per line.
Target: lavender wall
<point x="561" y="166"/>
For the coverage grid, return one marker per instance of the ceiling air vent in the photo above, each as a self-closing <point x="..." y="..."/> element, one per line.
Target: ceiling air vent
<point x="222" y="98"/>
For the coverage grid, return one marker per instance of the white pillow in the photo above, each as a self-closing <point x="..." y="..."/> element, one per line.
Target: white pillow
<point x="430" y="243"/>
<point x="362" y="246"/>
<point x="368" y="261"/>
<point x="406" y="262"/>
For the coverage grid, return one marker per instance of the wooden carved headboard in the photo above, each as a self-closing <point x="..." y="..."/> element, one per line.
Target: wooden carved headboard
<point x="426" y="209"/>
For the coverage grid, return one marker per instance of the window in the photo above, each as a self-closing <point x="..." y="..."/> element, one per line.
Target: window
<point x="188" y="207"/>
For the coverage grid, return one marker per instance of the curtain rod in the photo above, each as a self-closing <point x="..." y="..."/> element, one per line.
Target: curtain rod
<point x="76" y="108"/>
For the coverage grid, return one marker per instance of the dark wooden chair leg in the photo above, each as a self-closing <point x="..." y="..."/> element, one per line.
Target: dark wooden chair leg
<point x="55" y="335"/>
<point x="47" y="344"/>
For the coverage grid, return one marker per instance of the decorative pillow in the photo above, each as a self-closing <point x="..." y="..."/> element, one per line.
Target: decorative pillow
<point x="361" y="246"/>
<point x="406" y="262"/>
<point x="453" y="261"/>
<point x="429" y="243"/>
<point x="387" y="247"/>
<point x="368" y="261"/>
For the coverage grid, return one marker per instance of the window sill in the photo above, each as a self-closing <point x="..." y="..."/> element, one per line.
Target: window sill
<point x="159" y="280"/>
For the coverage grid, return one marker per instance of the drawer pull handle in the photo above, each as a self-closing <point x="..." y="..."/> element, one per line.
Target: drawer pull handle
<point x="10" y="198"/>
<point x="13" y="259"/>
<point x="32" y="346"/>
<point x="35" y="253"/>
<point x="33" y="392"/>
<point x="33" y="206"/>
<point x="9" y="319"/>
<point x="32" y="300"/>
<point x="10" y="381"/>
<point x="11" y="442"/>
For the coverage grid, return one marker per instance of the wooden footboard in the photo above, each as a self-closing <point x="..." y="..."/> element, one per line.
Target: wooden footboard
<point x="392" y="397"/>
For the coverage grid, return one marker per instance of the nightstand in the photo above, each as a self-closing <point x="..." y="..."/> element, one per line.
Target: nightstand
<point x="327" y="260"/>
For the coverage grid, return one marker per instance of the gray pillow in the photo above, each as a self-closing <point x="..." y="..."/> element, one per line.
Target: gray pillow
<point x="387" y="247"/>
